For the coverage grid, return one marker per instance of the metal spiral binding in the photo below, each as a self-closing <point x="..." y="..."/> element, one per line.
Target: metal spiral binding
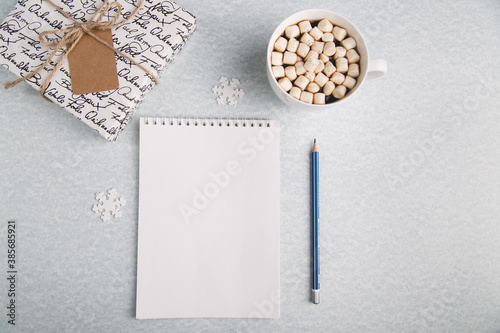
<point x="207" y="122"/>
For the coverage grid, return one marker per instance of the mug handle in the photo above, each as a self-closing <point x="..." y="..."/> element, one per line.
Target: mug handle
<point x="376" y="68"/>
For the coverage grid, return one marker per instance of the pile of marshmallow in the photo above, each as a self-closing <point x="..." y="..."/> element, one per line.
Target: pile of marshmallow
<point x="315" y="64"/>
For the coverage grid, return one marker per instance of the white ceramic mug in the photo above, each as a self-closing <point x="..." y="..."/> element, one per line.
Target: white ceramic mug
<point x="368" y="69"/>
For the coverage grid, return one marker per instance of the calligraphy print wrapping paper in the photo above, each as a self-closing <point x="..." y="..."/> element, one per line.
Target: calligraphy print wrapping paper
<point x="152" y="38"/>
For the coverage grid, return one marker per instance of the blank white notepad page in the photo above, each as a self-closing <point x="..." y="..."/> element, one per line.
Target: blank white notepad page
<point x="209" y="219"/>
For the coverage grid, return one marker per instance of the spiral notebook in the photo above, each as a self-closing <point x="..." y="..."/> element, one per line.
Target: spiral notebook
<point x="209" y="219"/>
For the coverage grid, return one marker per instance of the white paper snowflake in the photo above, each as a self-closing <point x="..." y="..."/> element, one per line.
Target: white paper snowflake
<point x="108" y="204"/>
<point x="228" y="91"/>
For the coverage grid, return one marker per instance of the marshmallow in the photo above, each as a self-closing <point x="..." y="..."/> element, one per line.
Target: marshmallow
<point x="328" y="88"/>
<point x="280" y="44"/>
<point x="320" y="67"/>
<point x="352" y="56"/>
<point x="325" y="26"/>
<point x="289" y="58"/>
<point x="316" y="33"/>
<point x="339" y="91"/>
<point x="329" y="69"/>
<point x="312" y="54"/>
<point x="277" y="58"/>
<point x="310" y="76"/>
<point x="285" y="83"/>
<point x="329" y="49"/>
<point x="324" y="58"/>
<point x="319" y="98"/>
<point x="311" y="64"/>
<point x="340" y="52"/>
<point x="303" y="50"/>
<point x="305" y="26"/>
<point x="290" y="72"/>
<point x="292" y="31"/>
<point x="301" y="82"/>
<point x="307" y="39"/>
<point x="299" y="67"/>
<point x="337" y="78"/>
<point x="278" y="71"/>
<point x="307" y="97"/>
<point x="348" y="43"/>
<point x="318" y="47"/>
<point x="342" y="65"/>
<point x="313" y="87"/>
<point x="339" y="33"/>
<point x="327" y="37"/>
<point x="293" y="45"/>
<point x="295" y="92"/>
<point x="321" y="79"/>
<point x="349" y="82"/>
<point x="353" y="70"/>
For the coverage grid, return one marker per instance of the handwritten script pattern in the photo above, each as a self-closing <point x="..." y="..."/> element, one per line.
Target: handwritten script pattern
<point x="153" y="38"/>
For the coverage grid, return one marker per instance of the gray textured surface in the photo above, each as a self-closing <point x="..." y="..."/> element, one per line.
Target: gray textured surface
<point x="410" y="186"/>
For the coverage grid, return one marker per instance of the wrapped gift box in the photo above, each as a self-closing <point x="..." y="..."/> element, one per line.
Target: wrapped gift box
<point x="152" y="38"/>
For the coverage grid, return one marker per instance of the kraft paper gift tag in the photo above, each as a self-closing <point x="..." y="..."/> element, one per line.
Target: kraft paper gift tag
<point x="92" y="65"/>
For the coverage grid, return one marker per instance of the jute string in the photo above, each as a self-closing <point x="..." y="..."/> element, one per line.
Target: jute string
<point x="73" y="34"/>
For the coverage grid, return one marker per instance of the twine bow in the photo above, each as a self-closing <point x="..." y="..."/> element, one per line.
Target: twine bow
<point x="73" y="34"/>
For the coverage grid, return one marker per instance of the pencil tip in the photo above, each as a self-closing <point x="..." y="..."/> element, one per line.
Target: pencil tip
<point x="315" y="147"/>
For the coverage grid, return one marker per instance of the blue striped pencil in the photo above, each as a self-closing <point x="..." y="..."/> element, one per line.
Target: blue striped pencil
<point x="315" y="181"/>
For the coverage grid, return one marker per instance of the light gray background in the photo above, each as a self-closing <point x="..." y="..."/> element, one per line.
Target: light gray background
<point x="410" y="186"/>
